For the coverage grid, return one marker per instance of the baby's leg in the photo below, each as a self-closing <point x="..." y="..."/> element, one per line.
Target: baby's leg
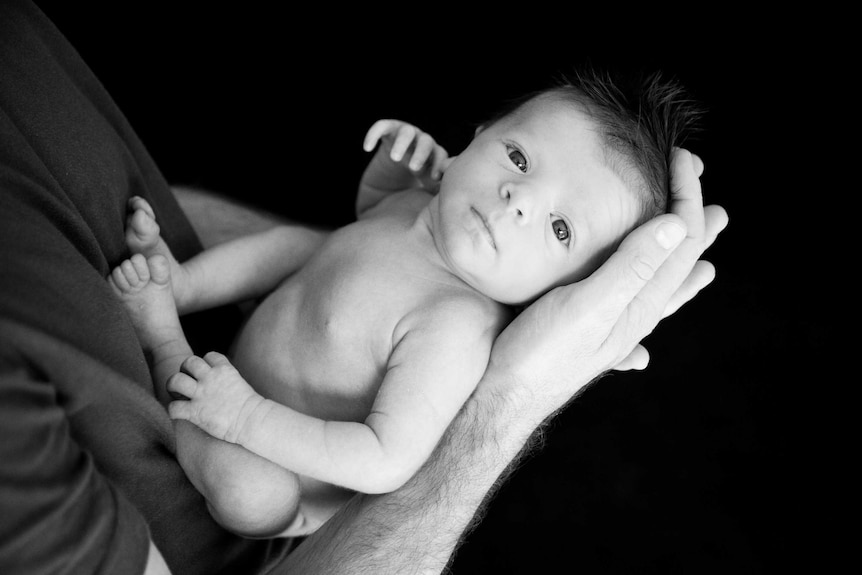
<point x="144" y="287"/>
<point x="143" y="236"/>
<point x="246" y="493"/>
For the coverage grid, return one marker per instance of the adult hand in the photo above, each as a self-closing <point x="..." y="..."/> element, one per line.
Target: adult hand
<point x="575" y="333"/>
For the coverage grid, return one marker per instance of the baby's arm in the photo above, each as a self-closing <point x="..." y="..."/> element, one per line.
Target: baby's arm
<point x="247" y="267"/>
<point x="432" y="371"/>
<point x="242" y="266"/>
<point x="407" y="158"/>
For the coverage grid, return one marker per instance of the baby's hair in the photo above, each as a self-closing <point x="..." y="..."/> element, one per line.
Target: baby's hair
<point x="641" y="119"/>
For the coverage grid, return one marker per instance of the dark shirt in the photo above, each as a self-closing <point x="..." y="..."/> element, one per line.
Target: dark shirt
<point x="87" y="457"/>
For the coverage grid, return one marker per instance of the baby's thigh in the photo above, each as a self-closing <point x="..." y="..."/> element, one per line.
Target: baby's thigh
<point x="245" y="493"/>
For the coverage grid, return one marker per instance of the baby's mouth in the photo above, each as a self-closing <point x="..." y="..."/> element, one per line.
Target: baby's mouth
<point x="486" y="226"/>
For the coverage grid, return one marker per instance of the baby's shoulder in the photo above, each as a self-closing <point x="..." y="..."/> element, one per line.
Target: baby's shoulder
<point x="461" y="313"/>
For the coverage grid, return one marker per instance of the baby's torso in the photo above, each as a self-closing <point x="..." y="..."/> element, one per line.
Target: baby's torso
<point x="321" y="342"/>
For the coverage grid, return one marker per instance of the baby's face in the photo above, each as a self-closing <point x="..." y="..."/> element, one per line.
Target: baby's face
<point x="530" y="205"/>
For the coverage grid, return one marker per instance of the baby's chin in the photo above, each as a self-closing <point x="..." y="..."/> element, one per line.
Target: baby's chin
<point x="511" y="296"/>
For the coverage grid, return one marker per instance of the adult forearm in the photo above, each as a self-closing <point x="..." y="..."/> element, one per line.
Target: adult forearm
<point x="416" y="528"/>
<point x="260" y="248"/>
<point x="217" y="219"/>
<point x="249" y="266"/>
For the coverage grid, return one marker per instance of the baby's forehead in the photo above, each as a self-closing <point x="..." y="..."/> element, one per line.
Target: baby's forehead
<point x="565" y="132"/>
<point x="551" y="106"/>
<point x="560" y="125"/>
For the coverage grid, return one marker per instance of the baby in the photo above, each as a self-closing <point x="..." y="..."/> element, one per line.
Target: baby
<point x="359" y="360"/>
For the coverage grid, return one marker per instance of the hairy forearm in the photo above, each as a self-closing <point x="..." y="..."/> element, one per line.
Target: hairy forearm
<point x="217" y="218"/>
<point x="416" y="528"/>
<point x="247" y="251"/>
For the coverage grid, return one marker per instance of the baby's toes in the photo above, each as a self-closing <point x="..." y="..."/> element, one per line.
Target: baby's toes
<point x="142" y="231"/>
<point x="138" y="203"/>
<point x="130" y="275"/>
<point x="159" y="269"/>
<point x="140" y="268"/>
<point x="135" y="271"/>
<point x="117" y="280"/>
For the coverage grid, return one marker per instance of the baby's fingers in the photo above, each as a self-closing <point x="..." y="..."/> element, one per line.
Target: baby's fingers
<point x="375" y="132"/>
<point x="393" y="128"/>
<point x="403" y="139"/>
<point x="423" y="150"/>
<point x="181" y="384"/>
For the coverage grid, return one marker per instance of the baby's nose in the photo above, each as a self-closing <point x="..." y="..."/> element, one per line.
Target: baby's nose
<point x="519" y="201"/>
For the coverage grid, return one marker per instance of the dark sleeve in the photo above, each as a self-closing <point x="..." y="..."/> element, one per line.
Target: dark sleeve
<point x="88" y="471"/>
<point x="58" y="512"/>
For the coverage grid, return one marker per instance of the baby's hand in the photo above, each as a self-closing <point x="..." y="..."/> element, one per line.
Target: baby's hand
<point x="408" y="145"/>
<point x="219" y="399"/>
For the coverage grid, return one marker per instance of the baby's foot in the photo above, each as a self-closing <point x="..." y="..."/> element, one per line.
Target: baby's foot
<point x="143" y="237"/>
<point x="144" y="287"/>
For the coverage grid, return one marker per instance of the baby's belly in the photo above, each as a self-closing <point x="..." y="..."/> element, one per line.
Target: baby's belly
<point x="294" y="349"/>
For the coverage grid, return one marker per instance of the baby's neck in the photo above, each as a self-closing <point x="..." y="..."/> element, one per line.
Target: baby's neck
<point x="423" y="230"/>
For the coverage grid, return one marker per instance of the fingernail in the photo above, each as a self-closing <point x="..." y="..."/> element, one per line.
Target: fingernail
<point x="668" y="235"/>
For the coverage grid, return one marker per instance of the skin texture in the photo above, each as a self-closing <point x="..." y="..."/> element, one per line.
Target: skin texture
<point x="538" y="364"/>
<point x="530" y="204"/>
<point x="368" y="352"/>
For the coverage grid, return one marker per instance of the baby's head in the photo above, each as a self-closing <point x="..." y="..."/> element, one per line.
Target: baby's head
<point x="548" y="188"/>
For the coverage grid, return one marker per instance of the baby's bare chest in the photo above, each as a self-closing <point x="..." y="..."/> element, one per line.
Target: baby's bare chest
<point x="322" y="341"/>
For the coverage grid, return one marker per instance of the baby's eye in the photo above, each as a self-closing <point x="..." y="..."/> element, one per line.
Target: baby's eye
<point x="518" y="159"/>
<point x="561" y="230"/>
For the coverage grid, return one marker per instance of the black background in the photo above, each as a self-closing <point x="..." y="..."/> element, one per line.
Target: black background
<point x="693" y="466"/>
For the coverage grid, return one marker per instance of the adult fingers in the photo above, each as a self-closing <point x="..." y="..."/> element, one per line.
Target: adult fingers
<point x="678" y="268"/>
<point x="701" y="276"/>
<point x="634" y="264"/>
<point x="700" y="273"/>
<point x="686" y="198"/>
<point x="637" y="359"/>
<point x="698" y="165"/>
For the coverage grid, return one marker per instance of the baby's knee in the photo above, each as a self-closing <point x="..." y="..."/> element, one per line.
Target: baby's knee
<point x="255" y="506"/>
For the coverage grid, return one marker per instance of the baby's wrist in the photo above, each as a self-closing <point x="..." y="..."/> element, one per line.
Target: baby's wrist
<point x="250" y="418"/>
